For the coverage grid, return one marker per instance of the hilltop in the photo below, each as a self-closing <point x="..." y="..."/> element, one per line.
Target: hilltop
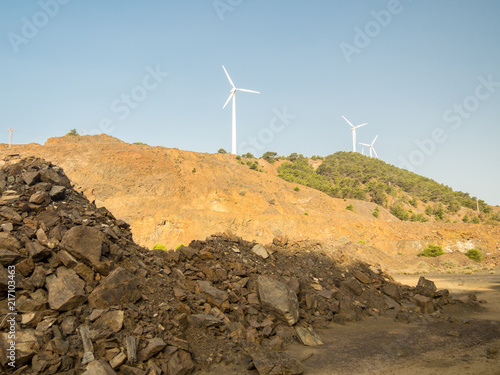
<point x="171" y="196"/>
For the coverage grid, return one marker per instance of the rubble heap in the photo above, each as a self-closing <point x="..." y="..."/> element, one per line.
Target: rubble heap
<point x="89" y="300"/>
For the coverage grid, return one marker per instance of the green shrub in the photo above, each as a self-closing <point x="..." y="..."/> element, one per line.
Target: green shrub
<point x="194" y="170"/>
<point x="181" y="244"/>
<point x="222" y="151"/>
<point x="296" y="188"/>
<point x="306" y="213"/>
<point x="73" y="133"/>
<point x="419" y="217"/>
<point x="475" y="255"/>
<point x="362" y="242"/>
<point x="376" y="212"/>
<point x="159" y="246"/>
<point x="243" y="192"/>
<point x="248" y="156"/>
<point x="350" y="207"/>
<point x="398" y="211"/>
<point x="432" y="251"/>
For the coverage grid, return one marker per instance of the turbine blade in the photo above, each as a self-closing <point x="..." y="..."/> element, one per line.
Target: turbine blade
<point x="255" y="92"/>
<point x="228" y="99"/>
<point x="364" y="144"/>
<point x="229" y="78"/>
<point x="374" y="139"/>
<point x="352" y="126"/>
<point x="358" y="126"/>
<point x="375" y="152"/>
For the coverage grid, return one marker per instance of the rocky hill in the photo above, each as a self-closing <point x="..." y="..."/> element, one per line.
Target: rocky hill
<point x="79" y="296"/>
<point x="171" y="197"/>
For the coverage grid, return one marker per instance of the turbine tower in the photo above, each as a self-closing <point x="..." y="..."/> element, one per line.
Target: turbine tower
<point x="353" y="129"/>
<point x="232" y="95"/>
<point x="370" y="146"/>
<point x="10" y="130"/>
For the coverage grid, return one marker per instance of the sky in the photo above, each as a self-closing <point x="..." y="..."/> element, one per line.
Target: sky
<point x="424" y="75"/>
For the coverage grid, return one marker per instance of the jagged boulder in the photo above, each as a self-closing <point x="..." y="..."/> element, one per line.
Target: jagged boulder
<point x="279" y="298"/>
<point x="118" y="288"/>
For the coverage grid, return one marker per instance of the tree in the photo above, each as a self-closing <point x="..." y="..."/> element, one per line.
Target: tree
<point x="270" y="156"/>
<point x="73" y="133"/>
<point x="248" y="156"/>
<point x="398" y="211"/>
<point x="293" y="156"/>
<point x="222" y="151"/>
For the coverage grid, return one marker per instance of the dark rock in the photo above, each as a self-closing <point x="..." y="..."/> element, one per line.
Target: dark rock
<point x="118" y="288"/>
<point x="153" y="347"/>
<point x="65" y="290"/>
<point x="215" y="297"/>
<point x="84" y="243"/>
<point x="9" y="242"/>
<point x="27" y="345"/>
<point x="8" y="257"/>
<point x="353" y="285"/>
<point x="99" y="367"/>
<point x="40" y="197"/>
<point x="279" y="298"/>
<point x="180" y="363"/>
<point x="362" y="277"/>
<point x="57" y="193"/>
<point x="31" y="178"/>
<point x="392" y="291"/>
<point x="268" y="362"/>
<point x="425" y="287"/>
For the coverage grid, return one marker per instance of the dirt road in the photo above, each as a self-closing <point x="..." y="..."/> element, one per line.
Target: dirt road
<point x="463" y="342"/>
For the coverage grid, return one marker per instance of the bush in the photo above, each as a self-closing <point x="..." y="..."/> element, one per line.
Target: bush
<point x="296" y="188"/>
<point x="248" y="156"/>
<point x="350" y="207"/>
<point x="222" y="151"/>
<point x="400" y="212"/>
<point x="376" y="212"/>
<point x="159" y="246"/>
<point x="432" y="251"/>
<point x="182" y="244"/>
<point x="270" y="156"/>
<point x="73" y="133"/>
<point x="419" y="217"/>
<point x="475" y="255"/>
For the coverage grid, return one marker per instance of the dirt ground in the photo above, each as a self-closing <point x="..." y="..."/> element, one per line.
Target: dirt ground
<point x="461" y="342"/>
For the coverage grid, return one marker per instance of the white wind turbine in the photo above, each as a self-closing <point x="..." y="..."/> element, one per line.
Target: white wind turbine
<point x="353" y="129"/>
<point x="232" y="95"/>
<point x="370" y="146"/>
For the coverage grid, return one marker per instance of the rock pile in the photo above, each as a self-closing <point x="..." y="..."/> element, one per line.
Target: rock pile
<point x="89" y="300"/>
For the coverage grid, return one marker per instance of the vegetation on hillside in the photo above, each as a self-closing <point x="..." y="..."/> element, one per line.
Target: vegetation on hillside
<point x="351" y="175"/>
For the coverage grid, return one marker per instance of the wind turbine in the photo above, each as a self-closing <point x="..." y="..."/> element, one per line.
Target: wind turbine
<point x="353" y="129"/>
<point x="370" y="146"/>
<point x="232" y="95"/>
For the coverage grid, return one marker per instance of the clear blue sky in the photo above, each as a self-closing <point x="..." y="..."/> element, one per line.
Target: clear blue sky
<point x="417" y="71"/>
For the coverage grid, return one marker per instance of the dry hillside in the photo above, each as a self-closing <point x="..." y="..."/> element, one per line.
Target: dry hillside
<point x="172" y="196"/>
